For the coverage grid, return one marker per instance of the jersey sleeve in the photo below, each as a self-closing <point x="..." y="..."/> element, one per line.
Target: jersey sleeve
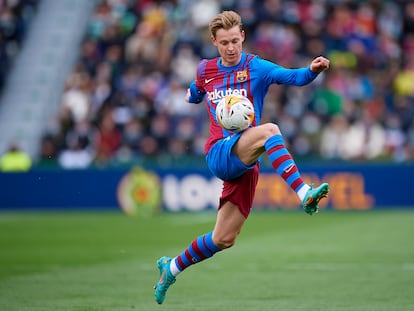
<point x="201" y="68"/>
<point x="274" y="73"/>
<point x="197" y="90"/>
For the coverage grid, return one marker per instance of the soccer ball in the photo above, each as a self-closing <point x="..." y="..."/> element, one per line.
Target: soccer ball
<point x="235" y="113"/>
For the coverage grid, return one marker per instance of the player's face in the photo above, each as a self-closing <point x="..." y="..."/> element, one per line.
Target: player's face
<point x="229" y="44"/>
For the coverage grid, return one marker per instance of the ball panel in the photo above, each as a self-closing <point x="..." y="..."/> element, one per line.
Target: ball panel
<point x="235" y="113"/>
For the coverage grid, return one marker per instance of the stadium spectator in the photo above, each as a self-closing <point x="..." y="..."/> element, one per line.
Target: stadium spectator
<point x="15" y="18"/>
<point x="107" y="139"/>
<point x="15" y="160"/>
<point x="75" y="157"/>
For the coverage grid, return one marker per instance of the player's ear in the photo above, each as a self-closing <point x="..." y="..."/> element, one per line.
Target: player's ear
<point x="213" y="40"/>
<point x="243" y="35"/>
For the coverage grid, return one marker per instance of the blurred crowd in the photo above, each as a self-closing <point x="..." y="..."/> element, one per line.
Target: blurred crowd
<point x="124" y="99"/>
<point x="15" y="18"/>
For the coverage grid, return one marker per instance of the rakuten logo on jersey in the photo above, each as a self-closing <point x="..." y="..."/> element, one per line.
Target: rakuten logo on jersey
<point x="216" y="95"/>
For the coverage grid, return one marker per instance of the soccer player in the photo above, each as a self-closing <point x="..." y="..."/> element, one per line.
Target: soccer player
<point x="234" y="157"/>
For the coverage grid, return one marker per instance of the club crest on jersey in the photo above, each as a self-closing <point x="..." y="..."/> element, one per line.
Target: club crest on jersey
<point x="241" y="76"/>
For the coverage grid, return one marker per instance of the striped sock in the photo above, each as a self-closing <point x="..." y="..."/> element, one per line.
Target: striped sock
<point x="284" y="165"/>
<point x="201" y="248"/>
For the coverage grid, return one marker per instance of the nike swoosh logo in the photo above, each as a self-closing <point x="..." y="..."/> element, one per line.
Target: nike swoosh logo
<point x="162" y="277"/>
<point x="208" y="80"/>
<point x="288" y="169"/>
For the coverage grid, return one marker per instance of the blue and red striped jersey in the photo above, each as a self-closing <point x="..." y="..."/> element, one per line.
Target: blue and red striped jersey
<point x="251" y="78"/>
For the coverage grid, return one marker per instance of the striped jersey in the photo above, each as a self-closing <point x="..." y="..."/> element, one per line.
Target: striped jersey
<point x="250" y="78"/>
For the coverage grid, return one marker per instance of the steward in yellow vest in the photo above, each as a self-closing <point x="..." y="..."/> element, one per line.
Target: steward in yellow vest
<point x="15" y="160"/>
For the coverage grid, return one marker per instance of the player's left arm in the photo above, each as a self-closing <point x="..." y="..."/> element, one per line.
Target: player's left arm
<point x="299" y="76"/>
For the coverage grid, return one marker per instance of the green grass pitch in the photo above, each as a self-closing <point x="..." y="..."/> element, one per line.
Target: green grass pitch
<point x="282" y="261"/>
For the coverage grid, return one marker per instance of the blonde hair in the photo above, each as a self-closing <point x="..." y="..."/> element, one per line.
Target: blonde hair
<point x="225" y="20"/>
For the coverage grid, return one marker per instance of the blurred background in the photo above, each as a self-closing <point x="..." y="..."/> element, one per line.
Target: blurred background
<point x="101" y="84"/>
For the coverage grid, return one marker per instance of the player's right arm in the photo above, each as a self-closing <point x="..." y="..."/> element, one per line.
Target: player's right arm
<point x="194" y="94"/>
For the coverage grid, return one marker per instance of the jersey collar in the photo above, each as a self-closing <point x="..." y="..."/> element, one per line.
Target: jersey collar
<point x="242" y="59"/>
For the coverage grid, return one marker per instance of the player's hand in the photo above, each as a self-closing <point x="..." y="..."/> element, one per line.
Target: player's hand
<point x="319" y="64"/>
<point x="187" y="96"/>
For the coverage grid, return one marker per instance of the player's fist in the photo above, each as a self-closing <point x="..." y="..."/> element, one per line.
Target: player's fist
<point x="319" y="64"/>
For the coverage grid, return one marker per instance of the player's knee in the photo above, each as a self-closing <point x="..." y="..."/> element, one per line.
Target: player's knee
<point x="270" y="129"/>
<point x="226" y="241"/>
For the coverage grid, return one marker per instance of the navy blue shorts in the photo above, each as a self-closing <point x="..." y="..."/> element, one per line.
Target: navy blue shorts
<point x="223" y="163"/>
